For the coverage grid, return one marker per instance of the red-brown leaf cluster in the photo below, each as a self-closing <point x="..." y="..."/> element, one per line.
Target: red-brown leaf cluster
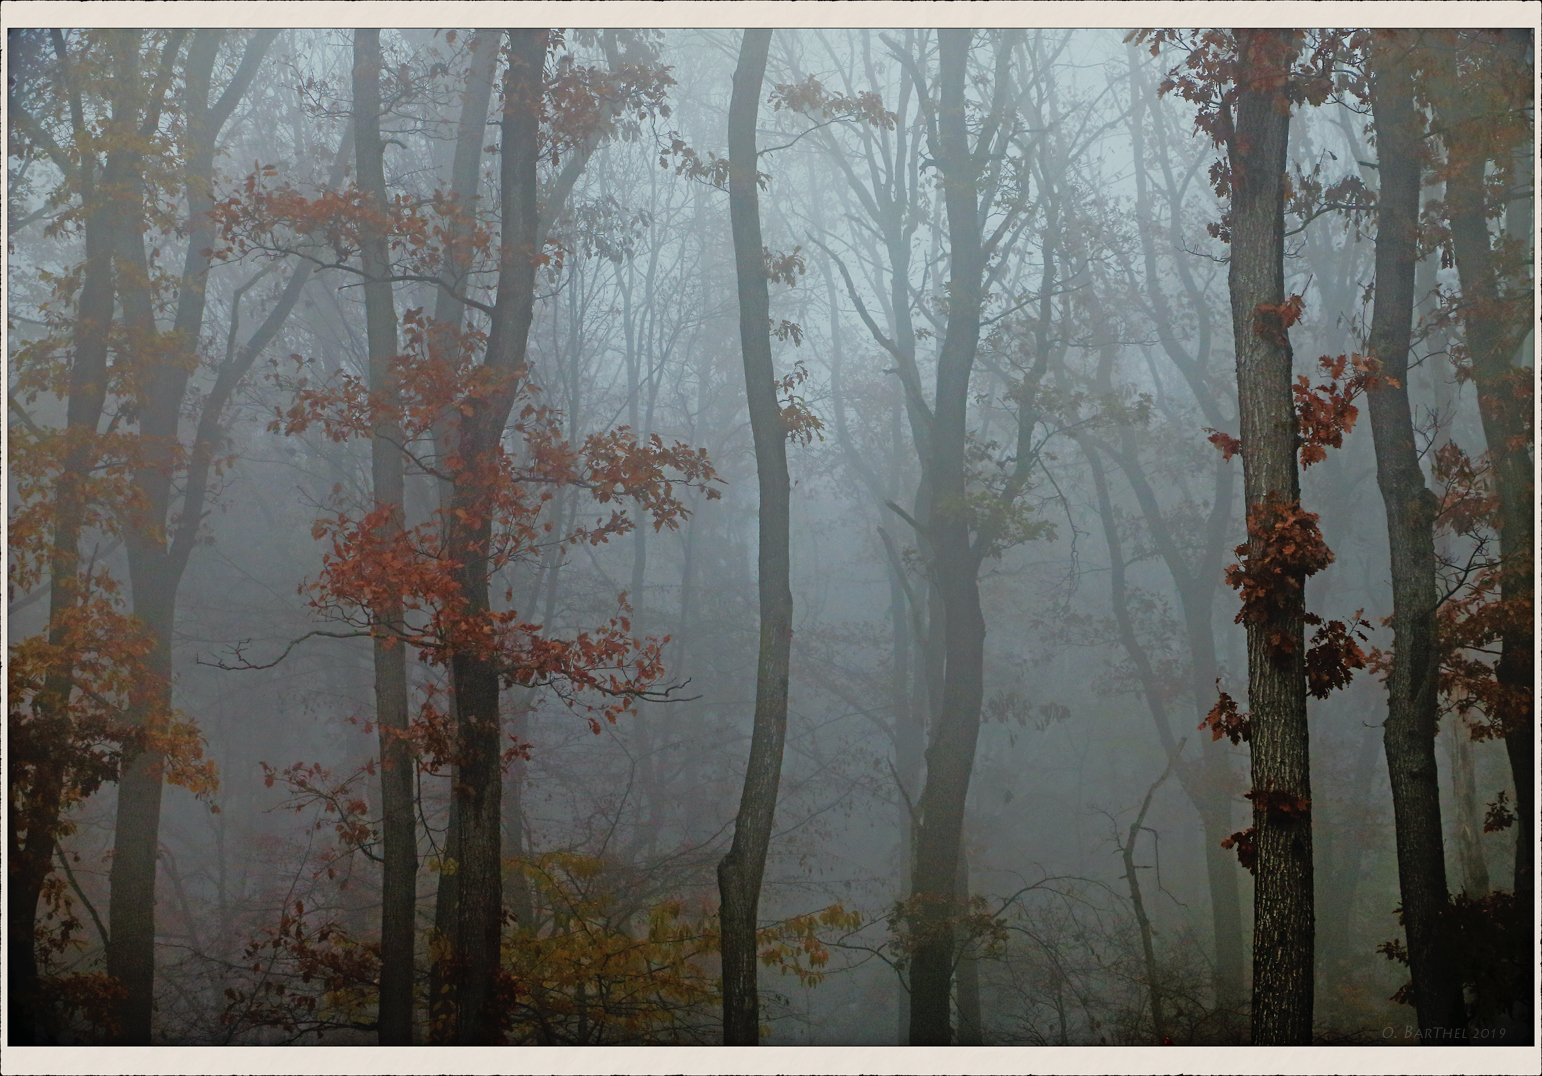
<point x="1279" y="805"/>
<point x="1284" y="547"/>
<point x="1224" y="720"/>
<point x="1334" y="653"/>
<point x="1246" y="843"/>
<point x="1324" y="414"/>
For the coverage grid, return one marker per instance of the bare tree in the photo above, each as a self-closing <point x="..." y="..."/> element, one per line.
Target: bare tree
<point x="739" y="874"/>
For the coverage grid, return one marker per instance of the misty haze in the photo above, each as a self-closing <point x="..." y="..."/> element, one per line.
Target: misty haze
<point x="815" y="537"/>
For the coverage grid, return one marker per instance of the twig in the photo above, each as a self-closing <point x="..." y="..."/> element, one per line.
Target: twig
<point x="246" y="665"/>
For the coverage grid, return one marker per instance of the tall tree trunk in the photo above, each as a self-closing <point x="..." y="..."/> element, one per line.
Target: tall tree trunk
<point x="1469" y="822"/>
<point x="1342" y="857"/>
<point x="1412" y="704"/>
<point x="153" y="587"/>
<point x="954" y="565"/>
<point x="1208" y="785"/>
<point x="1142" y="920"/>
<point x="740" y="871"/>
<point x="475" y="928"/>
<point x="971" y="1022"/>
<point x="1496" y="318"/>
<point x="160" y="539"/>
<point x="449" y="320"/>
<point x="33" y="830"/>
<point x="397" y="762"/>
<point x="1283" y="916"/>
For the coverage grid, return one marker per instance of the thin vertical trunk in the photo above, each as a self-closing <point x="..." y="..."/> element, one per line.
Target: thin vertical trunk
<point x="397" y="763"/>
<point x="1142" y="920"/>
<point x="954" y="565"/>
<point x="1283" y="917"/>
<point x="475" y="927"/>
<point x="740" y="871"/>
<point x="1343" y="863"/>
<point x="30" y="744"/>
<point x="152" y="585"/>
<point x="160" y="539"/>
<point x="1207" y="785"/>
<point x="1469" y="823"/>
<point x="1412" y="705"/>
<point x="449" y="320"/>
<point x="971" y="1024"/>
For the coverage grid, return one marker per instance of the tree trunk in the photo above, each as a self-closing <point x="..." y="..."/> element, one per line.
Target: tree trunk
<point x="1412" y="704"/>
<point x="160" y="539"/>
<point x="397" y="762"/>
<point x="33" y="758"/>
<point x="475" y="928"/>
<point x="954" y="566"/>
<point x="740" y="871"/>
<point x="136" y="830"/>
<point x="444" y="341"/>
<point x="1469" y="822"/>
<point x="971" y="1022"/>
<point x="1148" y="950"/>
<point x="1208" y="785"/>
<point x="1283" y="915"/>
<point x="1495" y="325"/>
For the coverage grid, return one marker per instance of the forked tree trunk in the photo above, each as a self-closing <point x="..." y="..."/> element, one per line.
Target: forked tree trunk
<point x="474" y="932"/>
<point x="397" y="762"/>
<point x="33" y="830"/>
<point x="740" y="871"/>
<point x="444" y="342"/>
<point x="954" y="566"/>
<point x="1412" y="705"/>
<point x="1283" y="915"/>
<point x="160" y="534"/>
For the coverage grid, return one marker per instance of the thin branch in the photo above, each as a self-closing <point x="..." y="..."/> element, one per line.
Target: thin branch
<point x="246" y="665"/>
<point x="75" y="885"/>
<point x="908" y="518"/>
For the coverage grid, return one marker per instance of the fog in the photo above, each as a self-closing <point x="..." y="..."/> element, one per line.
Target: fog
<point x="1094" y="901"/>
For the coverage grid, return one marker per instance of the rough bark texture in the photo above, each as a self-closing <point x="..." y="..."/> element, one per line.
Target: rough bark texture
<point x="1283" y="916"/>
<point x="740" y="871"/>
<point x="399" y="852"/>
<point x="475" y="925"/>
<point x="954" y="564"/>
<point x="1412" y="710"/>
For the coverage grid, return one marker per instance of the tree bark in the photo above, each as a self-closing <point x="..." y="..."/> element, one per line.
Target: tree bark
<point x="1496" y="318"/>
<point x="475" y="929"/>
<point x="1283" y="915"/>
<point x="1412" y="704"/>
<point x="971" y="1022"/>
<point x="740" y="872"/>
<point x="1469" y="822"/>
<point x="397" y="762"/>
<point x="954" y="566"/>
<point x="444" y="342"/>
<point x="33" y="830"/>
<point x="158" y="548"/>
